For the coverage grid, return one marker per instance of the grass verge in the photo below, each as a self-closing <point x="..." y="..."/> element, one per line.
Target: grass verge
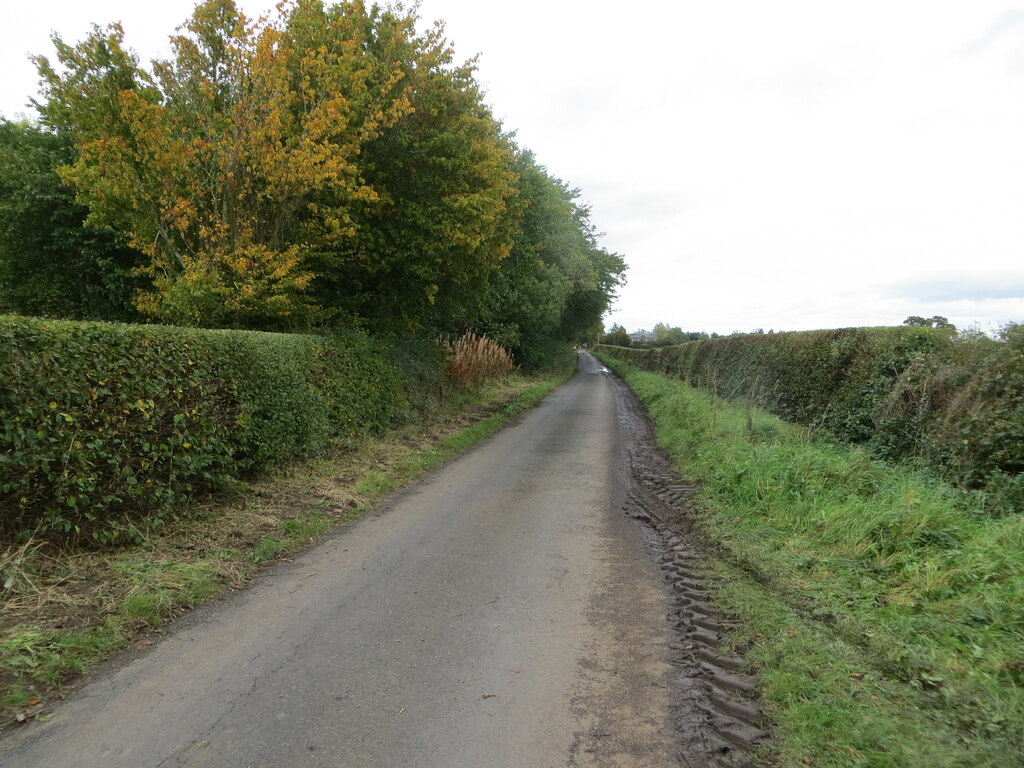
<point x="881" y="608"/>
<point x="64" y="611"/>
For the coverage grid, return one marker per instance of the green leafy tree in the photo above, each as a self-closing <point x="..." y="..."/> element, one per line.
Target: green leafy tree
<point x="525" y="297"/>
<point x="50" y="265"/>
<point x="557" y="283"/>
<point x="618" y="336"/>
<point x="596" y="274"/>
<point x="665" y="335"/>
<point x="442" y="217"/>
<point x="936" y="321"/>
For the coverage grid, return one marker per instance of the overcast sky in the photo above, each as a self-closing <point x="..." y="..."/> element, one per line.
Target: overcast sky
<point x="786" y="164"/>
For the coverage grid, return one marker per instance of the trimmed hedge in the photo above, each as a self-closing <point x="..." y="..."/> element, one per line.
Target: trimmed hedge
<point x="955" y="403"/>
<point x="102" y="424"/>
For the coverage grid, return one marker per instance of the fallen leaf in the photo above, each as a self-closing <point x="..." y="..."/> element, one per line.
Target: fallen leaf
<point x="30" y="712"/>
<point x="857" y="675"/>
<point x="490" y="695"/>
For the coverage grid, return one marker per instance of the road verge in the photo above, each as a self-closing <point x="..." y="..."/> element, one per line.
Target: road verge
<point x="878" y="607"/>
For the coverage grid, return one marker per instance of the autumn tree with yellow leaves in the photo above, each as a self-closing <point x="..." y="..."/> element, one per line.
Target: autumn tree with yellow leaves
<point x="324" y="164"/>
<point x="224" y="162"/>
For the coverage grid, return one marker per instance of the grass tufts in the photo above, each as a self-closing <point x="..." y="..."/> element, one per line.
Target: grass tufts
<point x="476" y="359"/>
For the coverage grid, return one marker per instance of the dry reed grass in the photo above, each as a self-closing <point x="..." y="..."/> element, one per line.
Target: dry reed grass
<point x="476" y="359"/>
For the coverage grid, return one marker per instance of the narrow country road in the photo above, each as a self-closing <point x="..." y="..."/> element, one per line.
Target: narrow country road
<point x="502" y="613"/>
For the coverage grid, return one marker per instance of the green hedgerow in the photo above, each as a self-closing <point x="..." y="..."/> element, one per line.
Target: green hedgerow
<point x="103" y="425"/>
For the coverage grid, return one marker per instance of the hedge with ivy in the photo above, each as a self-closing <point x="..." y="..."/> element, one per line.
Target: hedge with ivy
<point x="955" y="403"/>
<point x="105" y="425"/>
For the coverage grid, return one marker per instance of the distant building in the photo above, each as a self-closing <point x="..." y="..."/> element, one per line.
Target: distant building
<point x="642" y="336"/>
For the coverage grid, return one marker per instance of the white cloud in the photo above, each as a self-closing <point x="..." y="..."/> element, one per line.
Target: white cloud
<point x="1009" y="24"/>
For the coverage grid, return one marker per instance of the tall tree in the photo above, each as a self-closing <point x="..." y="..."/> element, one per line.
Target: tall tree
<point x="525" y="296"/>
<point x="50" y="264"/>
<point x="214" y="163"/>
<point x="557" y="282"/>
<point x="441" y="219"/>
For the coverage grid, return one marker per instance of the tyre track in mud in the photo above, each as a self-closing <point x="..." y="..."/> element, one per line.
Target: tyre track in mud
<point x="715" y="701"/>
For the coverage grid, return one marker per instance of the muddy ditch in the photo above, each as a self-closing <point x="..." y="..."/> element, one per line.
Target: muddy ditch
<point x="715" y="699"/>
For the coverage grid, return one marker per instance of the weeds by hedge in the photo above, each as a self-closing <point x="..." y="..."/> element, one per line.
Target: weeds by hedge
<point x="906" y="393"/>
<point x="474" y="360"/>
<point x="102" y="425"/>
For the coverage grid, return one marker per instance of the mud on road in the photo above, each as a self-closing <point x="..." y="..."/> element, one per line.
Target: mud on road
<point x="714" y="702"/>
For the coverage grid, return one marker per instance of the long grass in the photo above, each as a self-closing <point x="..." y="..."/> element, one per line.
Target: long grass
<point x="476" y="359"/>
<point x="884" y="610"/>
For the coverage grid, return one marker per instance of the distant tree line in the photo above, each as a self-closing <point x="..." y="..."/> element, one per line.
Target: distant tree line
<point x="326" y="166"/>
<point x="935" y="321"/>
<point x="664" y="335"/>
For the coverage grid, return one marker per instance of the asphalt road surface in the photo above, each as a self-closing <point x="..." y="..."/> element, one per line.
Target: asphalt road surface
<point x="501" y="613"/>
